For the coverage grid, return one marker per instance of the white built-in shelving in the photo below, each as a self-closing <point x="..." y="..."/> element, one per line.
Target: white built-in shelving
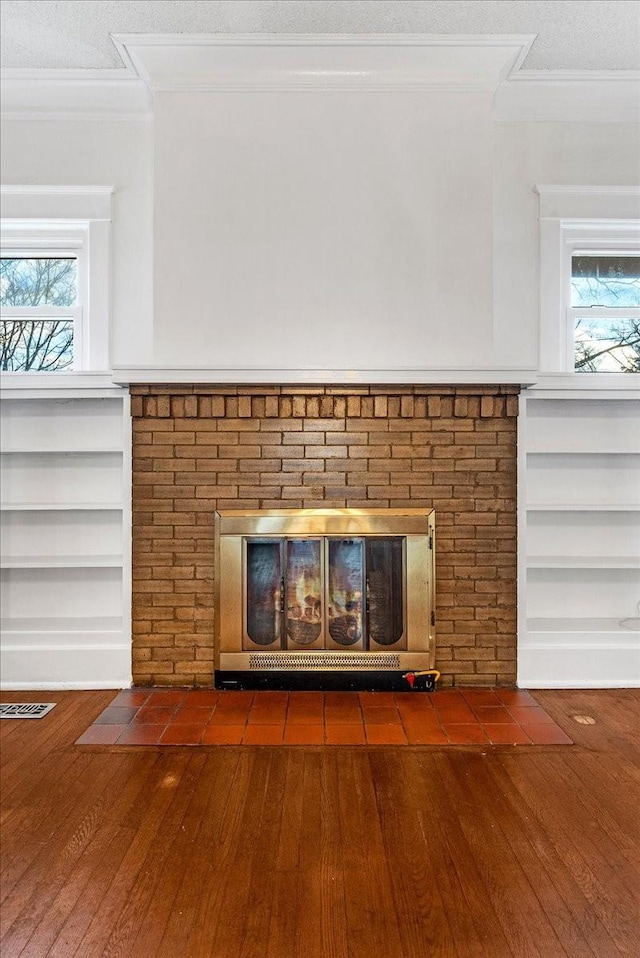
<point x="65" y="524"/>
<point x="580" y="538"/>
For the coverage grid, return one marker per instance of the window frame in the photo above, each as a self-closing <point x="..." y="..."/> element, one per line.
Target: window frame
<point x="41" y="245"/>
<point x="52" y="220"/>
<point x="590" y="242"/>
<point x="578" y="219"/>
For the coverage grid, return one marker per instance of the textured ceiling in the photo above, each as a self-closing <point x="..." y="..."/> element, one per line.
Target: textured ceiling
<point x="571" y="34"/>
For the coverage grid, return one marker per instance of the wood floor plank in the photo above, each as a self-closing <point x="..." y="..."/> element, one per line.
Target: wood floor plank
<point x="592" y="873"/>
<point x="74" y="907"/>
<point x="523" y="920"/>
<point x="476" y="929"/>
<point x="590" y="935"/>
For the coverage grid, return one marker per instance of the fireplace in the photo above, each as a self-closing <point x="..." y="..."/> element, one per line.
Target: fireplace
<point x="202" y="449"/>
<point x="324" y="598"/>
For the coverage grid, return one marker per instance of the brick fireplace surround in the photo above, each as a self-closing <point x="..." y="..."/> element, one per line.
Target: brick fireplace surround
<point x="201" y="448"/>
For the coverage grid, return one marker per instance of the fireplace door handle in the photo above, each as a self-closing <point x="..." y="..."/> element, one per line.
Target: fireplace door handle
<point x="282" y="594"/>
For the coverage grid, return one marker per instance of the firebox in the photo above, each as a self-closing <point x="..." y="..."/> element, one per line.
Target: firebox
<point x="324" y="598"/>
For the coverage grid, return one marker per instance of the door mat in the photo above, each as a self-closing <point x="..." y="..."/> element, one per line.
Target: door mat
<point x="208" y="717"/>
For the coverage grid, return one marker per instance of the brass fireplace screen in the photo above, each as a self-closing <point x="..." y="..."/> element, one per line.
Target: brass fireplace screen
<point x="325" y="589"/>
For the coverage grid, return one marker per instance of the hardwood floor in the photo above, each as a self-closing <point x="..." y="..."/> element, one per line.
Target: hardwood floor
<point x="322" y="852"/>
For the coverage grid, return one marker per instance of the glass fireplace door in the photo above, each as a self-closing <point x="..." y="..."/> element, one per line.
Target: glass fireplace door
<point x="325" y="593"/>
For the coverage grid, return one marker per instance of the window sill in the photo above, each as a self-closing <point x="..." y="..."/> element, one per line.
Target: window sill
<point x="31" y="384"/>
<point x="585" y="385"/>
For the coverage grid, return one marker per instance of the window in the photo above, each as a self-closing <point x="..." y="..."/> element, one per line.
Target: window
<point x="604" y="312"/>
<point x="41" y="320"/>
<point x="590" y="283"/>
<point x="55" y="279"/>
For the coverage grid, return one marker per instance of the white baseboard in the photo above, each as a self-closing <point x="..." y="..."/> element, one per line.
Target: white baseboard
<point x="77" y="668"/>
<point x="579" y="667"/>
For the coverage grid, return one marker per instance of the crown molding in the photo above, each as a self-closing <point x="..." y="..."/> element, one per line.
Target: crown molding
<point x="578" y="96"/>
<point x="74" y="94"/>
<point x="337" y="62"/>
<point x="290" y="62"/>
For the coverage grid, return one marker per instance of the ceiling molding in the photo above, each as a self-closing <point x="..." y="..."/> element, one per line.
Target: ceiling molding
<point x="578" y="96"/>
<point x="205" y="62"/>
<point x="79" y="94"/>
<point x="300" y="62"/>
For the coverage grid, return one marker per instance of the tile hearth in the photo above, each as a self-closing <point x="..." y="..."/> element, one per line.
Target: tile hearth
<point x="206" y="717"/>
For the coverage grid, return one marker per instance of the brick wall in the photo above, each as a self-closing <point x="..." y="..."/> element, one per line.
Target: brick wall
<point x="200" y="448"/>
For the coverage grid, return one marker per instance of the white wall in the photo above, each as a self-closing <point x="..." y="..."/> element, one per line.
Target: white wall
<point x="324" y="230"/>
<point x="99" y="152"/>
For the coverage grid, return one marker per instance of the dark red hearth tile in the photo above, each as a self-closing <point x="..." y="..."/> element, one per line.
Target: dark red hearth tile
<point x="480" y="697"/>
<point x="306" y="699"/>
<point x="344" y="735"/>
<point x="430" y="721"/>
<point x="301" y="715"/>
<point x="267" y="714"/>
<point x="381" y="716"/>
<point x="530" y="715"/>
<point x="142" y="735"/>
<point x="279" y="699"/>
<point x="385" y="735"/>
<point x="101" y="735"/>
<point x="456" y="714"/>
<point x="116" y="715"/>
<point x="446" y="697"/>
<point x="342" y="715"/>
<point x="466" y="734"/>
<point x="153" y="715"/>
<point x="377" y="699"/>
<point x="205" y="698"/>
<point x="420" y="735"/>
<point x="192" y="715"/>
<point x="342" y="699"/>
<point x="493" y="715"/>
<point x="235" y="700"/>
<point x="547" y="734"/>
<point x="223" y="735"/>
<point x="263" y="735"/>
<point x="304" y="735"/>
<point x="415" y="700"/>
<point x="515" y="697"/>
<point x="182" y="735"/>
<point x="132" y="697"/>
<point x="164" y="697"/>
<point x="504" y="734"/>
<point x="229" y="716"/>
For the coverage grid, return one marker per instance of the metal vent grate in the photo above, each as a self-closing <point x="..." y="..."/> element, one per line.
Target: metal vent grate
<point x="324" y="660"/>
<point x="25" y="710"/>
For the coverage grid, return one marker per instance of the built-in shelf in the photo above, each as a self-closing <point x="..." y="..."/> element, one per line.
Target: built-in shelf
<point x="583" y="562"/>
<point x="52" y="450"/>
<point x="66" y="483"/>
<point x="60" y="562"/>
<point x="583" y="506"/>
<point x="624" y="626"/>
<point x="55" y="506"/>
<point x="66" y="624"/>
<point x="581" y="474"/>
<point x="600" y="451"/>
